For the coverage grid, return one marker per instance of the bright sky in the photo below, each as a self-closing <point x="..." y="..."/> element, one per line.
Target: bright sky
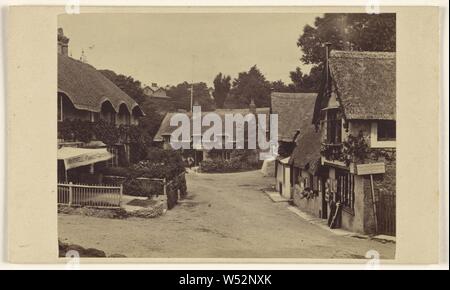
<point x="172" y="48"/>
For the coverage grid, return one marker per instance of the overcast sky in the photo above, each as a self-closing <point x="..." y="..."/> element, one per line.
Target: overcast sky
<point x="172" y="48"/>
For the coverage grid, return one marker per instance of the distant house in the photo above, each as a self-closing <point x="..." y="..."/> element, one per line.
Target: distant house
<point x="294" y="112"/>
<point x="163" y="135"/>
<point x="356" y="114"/>
<point x="148" y="91"/>
<point x="85" y="94"/>
<point x="156" y="92"/>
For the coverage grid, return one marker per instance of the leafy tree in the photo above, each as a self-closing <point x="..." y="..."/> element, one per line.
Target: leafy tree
<point x="127" y="84"/>
<point x="347" y="31"/>
<point x="222" y="85"/>
<point x="280" y="86"/>
<point x="251" y="85"/>
<point x="181" y="94"/>
<point x="304" y="83"/>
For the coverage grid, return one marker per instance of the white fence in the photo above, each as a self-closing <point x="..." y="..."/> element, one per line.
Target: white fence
<point x="101" y="196"/>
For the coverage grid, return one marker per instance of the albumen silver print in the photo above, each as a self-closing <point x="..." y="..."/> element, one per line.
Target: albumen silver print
<point x="226" y="135"/>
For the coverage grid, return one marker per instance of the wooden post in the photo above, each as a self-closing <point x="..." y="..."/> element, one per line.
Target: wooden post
<point x="70" y="193"/>
<point x="373" y="204"/>
<point x="165" y="186"/>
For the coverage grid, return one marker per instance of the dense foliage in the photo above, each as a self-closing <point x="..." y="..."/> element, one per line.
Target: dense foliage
<point x="222" y="166"/>
<point x="158" y="164"/>
<point x="222" y="85"/>
<point x="347" y="31"/>
<point x="181" y="96"/>
<point x="251" y="85"/>
<point x="354" y="149"/>
<point x="241" y="160"/>
<point x="127" y="84"/>
<point x="136" y="136"/>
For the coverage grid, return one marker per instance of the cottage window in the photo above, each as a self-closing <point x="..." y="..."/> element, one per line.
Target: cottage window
<point x="383" y="134"/>
<point x="386" y="131"/>
<point x="94" y="116"/>
<point x="346" y="190"/>
<point x="334" y="127"/>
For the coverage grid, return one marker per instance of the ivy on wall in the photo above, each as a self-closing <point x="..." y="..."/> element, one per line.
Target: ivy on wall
<point x="85" y="131"/>
<point x="354" y="149"/>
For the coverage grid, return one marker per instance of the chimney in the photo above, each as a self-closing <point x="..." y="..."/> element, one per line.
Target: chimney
<point x="63" y="43"/>
<point x="252" y="107"/>
<point x="327" y="56"/>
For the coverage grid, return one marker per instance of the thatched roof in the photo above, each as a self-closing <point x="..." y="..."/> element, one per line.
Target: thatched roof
<point x="294" y="112"/>
<point x="88" y="89"/>
<point x="307" y="150"/>
<point x="365" y="83"/>
<point x="165" y="128"/>
<point x="307" y="147"/>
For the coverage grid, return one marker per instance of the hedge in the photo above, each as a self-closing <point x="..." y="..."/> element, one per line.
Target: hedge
<point x="223" y="166"/>
<point x="159" y="164"/>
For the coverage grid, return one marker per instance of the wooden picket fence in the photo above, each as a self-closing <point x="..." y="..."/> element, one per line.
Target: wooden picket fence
<point x="99" y="196"/>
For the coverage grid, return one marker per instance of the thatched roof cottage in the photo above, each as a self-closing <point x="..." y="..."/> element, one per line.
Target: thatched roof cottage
<point x="356" y="114"/>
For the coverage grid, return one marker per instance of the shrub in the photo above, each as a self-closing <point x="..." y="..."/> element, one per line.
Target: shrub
<point x="159" y="164"/>
<point x="140" y="187"/>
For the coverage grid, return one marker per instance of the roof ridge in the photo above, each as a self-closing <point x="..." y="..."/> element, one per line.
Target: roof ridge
<point x="362" y="54"/>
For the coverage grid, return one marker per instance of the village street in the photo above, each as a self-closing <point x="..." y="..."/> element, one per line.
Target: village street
<point x="224" y="216"/>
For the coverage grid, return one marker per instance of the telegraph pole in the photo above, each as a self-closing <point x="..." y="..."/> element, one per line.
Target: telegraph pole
<point x="192" y="84"/>
<point x="192" y="95"/>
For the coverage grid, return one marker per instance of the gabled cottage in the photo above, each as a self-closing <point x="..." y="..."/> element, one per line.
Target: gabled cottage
<point x="156" y="92"/>
<point x="163" y="135"/>
<point x="356" y="114"/>
<point x="294" y="112"/>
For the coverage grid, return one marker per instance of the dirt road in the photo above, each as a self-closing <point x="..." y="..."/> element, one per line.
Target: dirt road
<point x="225" y="216"/>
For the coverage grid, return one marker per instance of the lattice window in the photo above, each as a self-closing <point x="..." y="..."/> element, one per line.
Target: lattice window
<point x="346" y="190"/>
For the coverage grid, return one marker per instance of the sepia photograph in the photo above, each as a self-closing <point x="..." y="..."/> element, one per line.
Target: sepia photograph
<point x="224" y="143"/>
<point x="226" y="135"/>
